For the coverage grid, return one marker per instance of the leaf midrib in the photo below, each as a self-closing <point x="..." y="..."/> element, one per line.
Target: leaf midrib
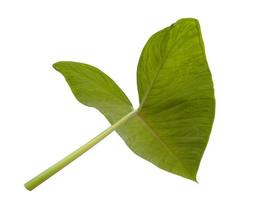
<point x="157" y="73"/>
<point x="155" y="134"/>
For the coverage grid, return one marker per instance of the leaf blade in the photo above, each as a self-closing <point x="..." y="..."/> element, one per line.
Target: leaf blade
<point x="182" y="112"/>
<point x="173" y="123"/>
<point x="94" y="88"/>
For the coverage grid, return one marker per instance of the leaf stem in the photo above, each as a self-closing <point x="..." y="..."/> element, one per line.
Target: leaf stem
<point x="33" y="183"/>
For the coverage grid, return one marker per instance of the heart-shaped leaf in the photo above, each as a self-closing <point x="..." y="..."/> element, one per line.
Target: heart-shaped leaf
<point x="172" y="125"/>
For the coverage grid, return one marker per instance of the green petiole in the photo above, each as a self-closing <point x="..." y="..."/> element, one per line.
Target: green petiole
<point x="34" y="182"/>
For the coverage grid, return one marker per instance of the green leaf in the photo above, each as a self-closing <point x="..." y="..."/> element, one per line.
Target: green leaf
<point x="172" y="125"/>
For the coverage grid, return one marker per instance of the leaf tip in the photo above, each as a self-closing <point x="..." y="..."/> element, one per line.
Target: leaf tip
<point x="195" y="180"/>
<point x="57" y="65"/>
<point x="187" y="20"/>
<point x="192" y="178"/>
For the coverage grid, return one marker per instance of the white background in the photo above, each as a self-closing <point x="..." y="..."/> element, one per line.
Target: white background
<point x="41" y="122"/>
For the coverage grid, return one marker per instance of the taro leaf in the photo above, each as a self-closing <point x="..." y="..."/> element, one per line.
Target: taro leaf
<point x="172" y="125"/>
